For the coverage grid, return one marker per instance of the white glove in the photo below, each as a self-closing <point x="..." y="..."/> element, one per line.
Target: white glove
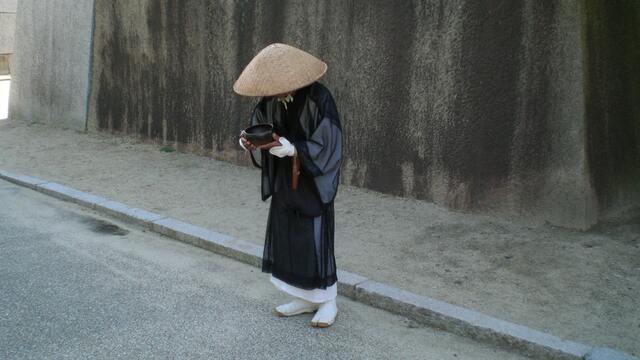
<point x="287" y="149"/>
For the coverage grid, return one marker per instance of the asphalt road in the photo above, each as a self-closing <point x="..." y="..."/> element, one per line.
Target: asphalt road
<point x="76" y="285"/>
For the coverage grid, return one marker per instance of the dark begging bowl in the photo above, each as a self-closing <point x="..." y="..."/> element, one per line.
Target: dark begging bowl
<point x="260" y="134"/>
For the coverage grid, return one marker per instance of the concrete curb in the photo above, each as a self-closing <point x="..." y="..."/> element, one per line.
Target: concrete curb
<point x="419" y="308"/>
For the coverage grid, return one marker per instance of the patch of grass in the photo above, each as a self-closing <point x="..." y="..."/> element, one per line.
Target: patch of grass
<point x="167" y="149"/>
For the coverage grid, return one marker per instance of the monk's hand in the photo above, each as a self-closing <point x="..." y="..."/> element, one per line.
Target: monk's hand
<point x="246" y="144"/>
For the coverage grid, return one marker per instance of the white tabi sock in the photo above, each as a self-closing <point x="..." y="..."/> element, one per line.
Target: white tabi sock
<point x="295" y="307"/>
<point x="326" y="314"/>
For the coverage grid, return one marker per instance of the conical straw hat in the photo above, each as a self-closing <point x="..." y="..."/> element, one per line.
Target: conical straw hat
<point x="279" y="69"/>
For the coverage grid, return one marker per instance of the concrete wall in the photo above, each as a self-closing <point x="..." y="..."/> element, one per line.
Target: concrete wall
<point x="521" y="108"/>
<point x="7" y="25"/>
<point x="51" y="62"/>
<point x="613" y="101"/>
<point x="7" y="30"/>
<point x="474" y="105"/>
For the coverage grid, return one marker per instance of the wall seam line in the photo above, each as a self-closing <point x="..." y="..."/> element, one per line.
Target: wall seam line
<point x="90" y="70"/>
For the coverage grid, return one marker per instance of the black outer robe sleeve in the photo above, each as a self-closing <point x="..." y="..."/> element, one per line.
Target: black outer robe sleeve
<point x="321" y="154"/>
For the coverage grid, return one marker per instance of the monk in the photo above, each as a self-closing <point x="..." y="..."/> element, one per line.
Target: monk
<point x="300" y="174"/>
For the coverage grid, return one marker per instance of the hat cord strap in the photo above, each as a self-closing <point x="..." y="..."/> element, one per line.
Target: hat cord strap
<point x="285" y="99"/>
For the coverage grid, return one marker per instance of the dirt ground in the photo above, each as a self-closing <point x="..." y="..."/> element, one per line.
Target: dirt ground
<point x="582" y="286"/>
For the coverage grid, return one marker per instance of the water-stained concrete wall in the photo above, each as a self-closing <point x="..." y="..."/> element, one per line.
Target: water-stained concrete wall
<point x="612" y="88"/>
<point x="474" y="105"/>
<point x="7" y="30"/>
<point x="51" y="63"/>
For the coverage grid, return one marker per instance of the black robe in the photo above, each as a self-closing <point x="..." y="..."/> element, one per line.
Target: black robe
<point x="298" y="246"/>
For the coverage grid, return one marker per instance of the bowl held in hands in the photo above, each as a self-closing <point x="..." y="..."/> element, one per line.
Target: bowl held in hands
<point x="259" y="134"/>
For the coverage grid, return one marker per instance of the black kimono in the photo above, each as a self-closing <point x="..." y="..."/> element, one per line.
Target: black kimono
<point x="298" y="248"/>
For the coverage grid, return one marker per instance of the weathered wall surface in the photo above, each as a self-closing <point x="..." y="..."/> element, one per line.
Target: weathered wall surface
<point x="474" y="105"/>
<point x="50" y="66"/>
<point x="613" y="101"/>
<point x="7" y="25"/>
<point x="524" y="108"/>
<point x="7" y="29"/>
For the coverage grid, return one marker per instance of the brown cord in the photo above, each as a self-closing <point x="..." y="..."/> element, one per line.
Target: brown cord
<point x="295" y="172"/>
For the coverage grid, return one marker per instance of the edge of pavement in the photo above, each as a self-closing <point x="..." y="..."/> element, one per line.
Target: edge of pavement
<point x="422" y="309"/>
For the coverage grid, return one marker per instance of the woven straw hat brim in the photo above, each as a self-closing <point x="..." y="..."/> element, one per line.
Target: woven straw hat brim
<point x="279" y="69"/>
